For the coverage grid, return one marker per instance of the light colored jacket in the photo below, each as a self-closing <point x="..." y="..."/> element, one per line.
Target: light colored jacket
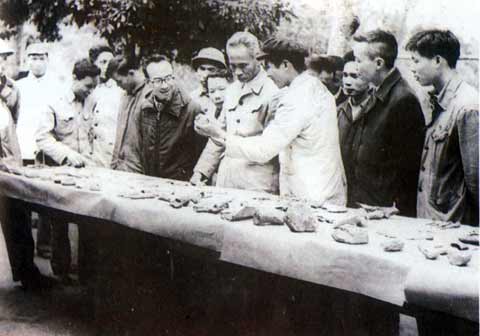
<point x="35" y="95"/>
<point x="305" y="135"/>
<point x="9" y="148"/>
<point x="60" y="131"/>
<point x="245" y="112"/>
<point x="448" y="181"/>
<point x="100" y="117"/>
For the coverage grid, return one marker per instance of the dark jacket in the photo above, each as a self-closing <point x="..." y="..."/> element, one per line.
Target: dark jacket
<point x="381" y="150"/>
<point x="170" y="147"/>
<point x="10" y="95"/>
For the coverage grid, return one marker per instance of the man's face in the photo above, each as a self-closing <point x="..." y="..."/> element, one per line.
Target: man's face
<point x="38" y="64"/>
<point x="353" y="83"/>
<point x="161" y="77"/>
<point x="83" y="87"/>
<point x="277" y="74"/>
<point x="216" y="90"/>
<point x="206" y="69"/>
<point x="102" y="62"/>
<point x="367" y="65"/>
<point x="424" y="69"/>
<point x="127" y="81"/>
<point x="243" y="65"/>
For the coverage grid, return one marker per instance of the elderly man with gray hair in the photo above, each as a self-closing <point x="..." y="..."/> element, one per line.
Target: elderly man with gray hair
<point x="245" y="112"/>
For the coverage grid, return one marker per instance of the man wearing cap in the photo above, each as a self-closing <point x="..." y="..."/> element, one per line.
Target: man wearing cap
<point x="102" y="108"/>
<point x="245" y="112"/>
<point x="14" y="219"/>
<point x="36" y="91"/>
<point x="303" y="131"/>
<point x="208" y="61"/>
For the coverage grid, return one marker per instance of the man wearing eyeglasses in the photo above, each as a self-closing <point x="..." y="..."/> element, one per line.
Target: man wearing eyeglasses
<point x="168" y="143"/>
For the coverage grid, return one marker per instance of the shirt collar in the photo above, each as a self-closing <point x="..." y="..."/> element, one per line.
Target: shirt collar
<point x="448" y="92"/>
<point x="388" y="83"/>
<point x="179" y="100"/>
<point x="257" y="83"/>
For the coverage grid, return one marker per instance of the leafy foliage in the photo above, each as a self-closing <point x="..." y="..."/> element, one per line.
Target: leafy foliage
<point x="152" y="25"/>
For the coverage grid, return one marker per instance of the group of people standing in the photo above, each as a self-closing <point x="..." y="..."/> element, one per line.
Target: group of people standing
<point x="262" y="119"/>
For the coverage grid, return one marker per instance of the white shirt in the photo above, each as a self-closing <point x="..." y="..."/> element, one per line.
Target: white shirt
<point x="35" y="95"/>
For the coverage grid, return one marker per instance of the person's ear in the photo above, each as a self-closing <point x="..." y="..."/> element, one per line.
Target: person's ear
<point x="379" y="62"/>
<point x="131" y="72"/>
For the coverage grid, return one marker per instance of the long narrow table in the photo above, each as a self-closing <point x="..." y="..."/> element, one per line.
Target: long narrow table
<point x="396" y="278"/>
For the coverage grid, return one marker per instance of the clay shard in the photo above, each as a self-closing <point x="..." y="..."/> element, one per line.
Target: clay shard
<point x="350" y="234"/>
<point x="211" y="205"/>
<point x="268" y="216"/>
<point x="458" y="257"/>
<point x="334" y="208"/>
<point x="445" y="225"/>
<point x="300" y="218"/>
<point x="393" y="245"/>
<point x="68" y="181"/>
<point x="238" y="211"/>
<point x="470" y="238"/>
<point x="355" y="221"/>
<point x="430" y="250"/>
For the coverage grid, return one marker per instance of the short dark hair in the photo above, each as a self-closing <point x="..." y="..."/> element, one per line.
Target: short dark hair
<point x="94" y="52"/>
<point x="154" y="58"/>
<point x="387" y="45"/>
<point x="348" y="57"/>
<point x="121" y="64"/>
<point x="84" y="68"/>
<point x="222" y="74"/>
<point x="434" y="42"/>
<point x="278" y="50"/>
<point x="329" y="64"/>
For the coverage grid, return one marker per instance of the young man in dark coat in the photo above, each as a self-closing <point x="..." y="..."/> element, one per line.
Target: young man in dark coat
<point x="388" y="143"/>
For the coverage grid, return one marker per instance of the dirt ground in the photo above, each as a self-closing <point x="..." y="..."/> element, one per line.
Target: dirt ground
<point x="59" y="312"/>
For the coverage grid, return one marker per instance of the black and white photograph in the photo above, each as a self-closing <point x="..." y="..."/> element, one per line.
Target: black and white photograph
<point x="239" y="168"/>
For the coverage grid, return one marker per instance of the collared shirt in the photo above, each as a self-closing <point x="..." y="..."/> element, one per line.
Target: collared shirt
<point x="245" y="112"/>
<point x="35" y="95"/>
<point x="100" y="117"/>
<point x="448" y="182"/>
<point x="60" y="131"/>
<point x="126" y="151"/>
<point x="304" y="133"/>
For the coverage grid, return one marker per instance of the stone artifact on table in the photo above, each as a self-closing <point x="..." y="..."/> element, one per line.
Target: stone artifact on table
<point x="300" y="218"/>
<point x="393" y="245"/>
<point x="267" y="215"/>
<point x="238" y="211"/>
<point x="68" y="181"/>
<point x="350" y="233"/>
<point x="432" y="250"/>
<point x="211" y="205"/>
<point x="470" y="238"/>
<point x="459" y="257"/>
<point x="334" y="208"/>
<point x="377" y="212"/>
<point x="421" y="235"/>
<point x="354" y="220"/>
<point x="444" y="225"/>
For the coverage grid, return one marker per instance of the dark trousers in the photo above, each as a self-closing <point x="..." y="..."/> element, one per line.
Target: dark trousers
<point x="17" y="230"/>
<point x="43" y="233"/>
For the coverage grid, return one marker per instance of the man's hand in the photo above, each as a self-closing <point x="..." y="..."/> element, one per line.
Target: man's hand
<point x="76" y="160"/>
<point x="198" y="179"/>
<point x="209" y="127"/>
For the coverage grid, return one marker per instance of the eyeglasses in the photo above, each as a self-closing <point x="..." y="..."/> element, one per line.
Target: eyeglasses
<point x="160" y="80"/>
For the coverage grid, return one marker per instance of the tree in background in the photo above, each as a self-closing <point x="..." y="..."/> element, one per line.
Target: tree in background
<point x="151" y="26"/>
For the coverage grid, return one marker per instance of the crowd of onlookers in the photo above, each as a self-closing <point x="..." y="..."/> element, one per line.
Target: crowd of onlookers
<point x="341" y="130"/>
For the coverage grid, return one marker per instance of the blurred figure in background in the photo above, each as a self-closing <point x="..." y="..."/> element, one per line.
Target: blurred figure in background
<point x="329" y="70"/>
<point x="101" y="109"/>
<point x="14" y="218"/>
<point x="38" y="89"/>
